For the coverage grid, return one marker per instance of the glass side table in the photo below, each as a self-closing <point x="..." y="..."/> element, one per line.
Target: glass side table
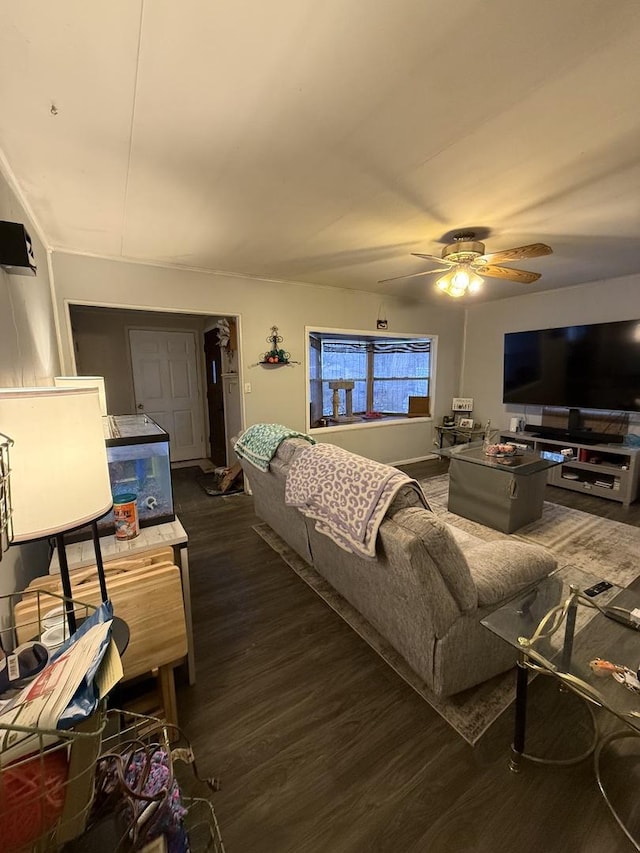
<point x="455" y="434"/>
<point x="559" y="629"/>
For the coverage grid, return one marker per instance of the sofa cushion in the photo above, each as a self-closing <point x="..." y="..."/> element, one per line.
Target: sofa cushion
<point x="406" y="496"/>
<point x="503" y="568"/>
<point x="434" y="549"/>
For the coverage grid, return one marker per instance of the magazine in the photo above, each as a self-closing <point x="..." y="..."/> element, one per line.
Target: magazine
<point x="43" y="703"/>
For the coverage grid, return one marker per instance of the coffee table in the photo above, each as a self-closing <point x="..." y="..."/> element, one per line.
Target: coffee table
<point x="558" y="630"/>
<point x="503" y="493"/>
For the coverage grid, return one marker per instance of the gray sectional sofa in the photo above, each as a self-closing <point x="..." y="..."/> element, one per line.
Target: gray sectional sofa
<point x="428" y="587"/>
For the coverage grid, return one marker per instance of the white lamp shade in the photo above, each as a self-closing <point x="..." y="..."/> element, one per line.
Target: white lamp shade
<point x="84" y="382"/>
<point x="59" y="476"/>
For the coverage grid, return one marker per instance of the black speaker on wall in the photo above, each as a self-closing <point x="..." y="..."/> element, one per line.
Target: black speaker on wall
<point x="16" y="249"/>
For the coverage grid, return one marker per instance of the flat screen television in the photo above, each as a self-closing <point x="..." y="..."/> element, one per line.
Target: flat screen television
<point x="595" y="366"/>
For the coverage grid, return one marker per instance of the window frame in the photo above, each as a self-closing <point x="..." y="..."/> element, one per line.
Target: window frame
<point x="388" y="420"/>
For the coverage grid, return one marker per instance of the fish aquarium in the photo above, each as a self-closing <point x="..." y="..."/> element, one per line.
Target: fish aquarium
<point x="138" y="459"/>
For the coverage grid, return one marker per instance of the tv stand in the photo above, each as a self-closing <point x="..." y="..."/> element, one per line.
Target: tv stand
<point x="581" y="436"/>
<point x="608" y="470"/>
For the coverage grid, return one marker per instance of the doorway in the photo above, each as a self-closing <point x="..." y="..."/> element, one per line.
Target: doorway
<point x="101" y="347"/>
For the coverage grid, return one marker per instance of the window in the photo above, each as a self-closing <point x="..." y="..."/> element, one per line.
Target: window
<point x="382" y="372"/>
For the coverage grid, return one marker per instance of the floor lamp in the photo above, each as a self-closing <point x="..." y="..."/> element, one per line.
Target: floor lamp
<point x="58" y="472"/>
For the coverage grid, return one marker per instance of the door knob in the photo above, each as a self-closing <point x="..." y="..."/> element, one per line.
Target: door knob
<point x="140" y="406"/>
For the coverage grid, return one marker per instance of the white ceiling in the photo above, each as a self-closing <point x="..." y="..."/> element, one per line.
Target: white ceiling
<point x="324" y="142"/>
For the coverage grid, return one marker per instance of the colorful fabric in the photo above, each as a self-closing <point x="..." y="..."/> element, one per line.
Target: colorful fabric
<point x="346" y="495"/>
<point x="258" y="444"/>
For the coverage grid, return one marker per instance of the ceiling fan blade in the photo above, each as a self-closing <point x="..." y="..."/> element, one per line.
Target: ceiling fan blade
<point x="413" y="275"/>
<point x="521" y="276"/>
<point x="533" y="250"/>
<point x="434" y="258"/>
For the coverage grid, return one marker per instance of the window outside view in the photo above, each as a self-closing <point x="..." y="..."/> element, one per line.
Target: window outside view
<point x="376" y="376"/>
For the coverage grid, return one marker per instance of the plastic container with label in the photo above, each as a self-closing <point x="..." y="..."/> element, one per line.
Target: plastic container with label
<point x="125" y="512"/>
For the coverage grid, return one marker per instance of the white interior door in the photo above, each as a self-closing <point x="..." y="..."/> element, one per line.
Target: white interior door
<point x="166" y="387"/>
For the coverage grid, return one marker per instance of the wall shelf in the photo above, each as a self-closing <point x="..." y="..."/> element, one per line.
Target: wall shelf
<point x="270" y="364"/>
<point x="281" y="358"/>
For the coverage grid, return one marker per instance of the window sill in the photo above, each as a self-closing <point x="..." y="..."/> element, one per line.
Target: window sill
<point x="388" y="421"/>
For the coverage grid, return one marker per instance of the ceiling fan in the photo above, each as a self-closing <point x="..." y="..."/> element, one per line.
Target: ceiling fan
<point x="463" y="260"/>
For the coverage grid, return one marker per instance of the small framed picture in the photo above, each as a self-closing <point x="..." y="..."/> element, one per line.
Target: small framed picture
<point x="466" y="423"/>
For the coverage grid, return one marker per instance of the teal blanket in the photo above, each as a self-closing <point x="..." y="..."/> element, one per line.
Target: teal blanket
<point x="258" y="444"/>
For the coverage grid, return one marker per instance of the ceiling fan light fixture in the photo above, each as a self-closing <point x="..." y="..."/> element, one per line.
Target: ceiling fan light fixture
<point x="475" y="284"/>
<point x="458" y="281"/>
<point x="460" y="260"/>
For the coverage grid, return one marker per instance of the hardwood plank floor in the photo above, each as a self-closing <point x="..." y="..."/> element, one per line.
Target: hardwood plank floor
<point x="322" y="747"/>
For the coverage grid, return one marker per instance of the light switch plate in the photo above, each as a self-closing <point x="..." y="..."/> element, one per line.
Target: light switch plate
<point x="462" y="404"/>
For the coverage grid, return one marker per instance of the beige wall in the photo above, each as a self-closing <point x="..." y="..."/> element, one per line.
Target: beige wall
<point x="28" y="356"/>
<point x="28" y="346"/>
<point x="277" y="395"/>
<point x="601" y="301"/>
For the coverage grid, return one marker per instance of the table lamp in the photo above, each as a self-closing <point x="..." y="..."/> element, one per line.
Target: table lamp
<point x="85" y="382"/>
<point x="59" y="477"/>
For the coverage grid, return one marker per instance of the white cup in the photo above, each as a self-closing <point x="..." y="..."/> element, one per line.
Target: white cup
<point x="54" y="637"/>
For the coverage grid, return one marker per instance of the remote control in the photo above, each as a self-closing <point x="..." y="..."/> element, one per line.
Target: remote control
<point x="597" y="588"/>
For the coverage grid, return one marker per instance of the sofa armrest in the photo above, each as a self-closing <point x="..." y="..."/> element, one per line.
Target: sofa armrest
<point x="502" y="568"/>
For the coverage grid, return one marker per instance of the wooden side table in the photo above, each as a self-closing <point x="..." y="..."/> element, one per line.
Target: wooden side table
<point x="172" y="533"/>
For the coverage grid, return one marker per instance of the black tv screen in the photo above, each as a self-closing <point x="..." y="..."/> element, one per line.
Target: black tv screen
<point x="596" y="366"/>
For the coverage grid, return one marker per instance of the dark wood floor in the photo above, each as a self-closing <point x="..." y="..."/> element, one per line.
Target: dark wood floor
<point x="322" y="748"/>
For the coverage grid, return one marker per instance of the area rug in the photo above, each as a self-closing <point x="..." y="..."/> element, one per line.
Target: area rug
<point x="597" y="545"/>
<point x="607" y="549"/>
